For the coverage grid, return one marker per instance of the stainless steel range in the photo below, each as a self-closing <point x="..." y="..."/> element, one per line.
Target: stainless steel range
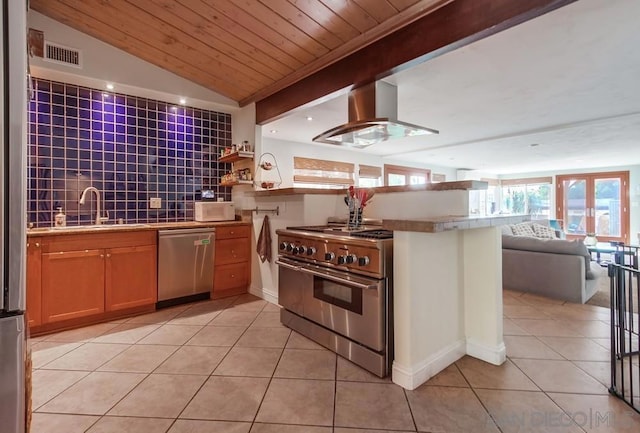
<point x="336" y="288"/>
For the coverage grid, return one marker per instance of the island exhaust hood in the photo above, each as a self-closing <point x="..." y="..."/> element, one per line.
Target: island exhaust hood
<point x="373" y="118"/>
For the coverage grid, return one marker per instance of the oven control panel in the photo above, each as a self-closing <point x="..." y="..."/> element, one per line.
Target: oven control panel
<point x="330" y="253"/>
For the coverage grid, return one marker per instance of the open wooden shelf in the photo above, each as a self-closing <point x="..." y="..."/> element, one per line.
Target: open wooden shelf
<point x="236" y="156"/>
<point x="238" y="182"/>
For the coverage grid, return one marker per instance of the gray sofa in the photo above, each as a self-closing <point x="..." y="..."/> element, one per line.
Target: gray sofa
<point x="555" y="268"/>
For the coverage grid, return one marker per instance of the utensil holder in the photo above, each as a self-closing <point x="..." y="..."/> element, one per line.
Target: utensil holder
<point x="355" y="218"/>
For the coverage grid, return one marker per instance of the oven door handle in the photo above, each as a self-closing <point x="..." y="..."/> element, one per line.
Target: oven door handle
<point x="345" y="281"/>
<point x="287" y="265"/>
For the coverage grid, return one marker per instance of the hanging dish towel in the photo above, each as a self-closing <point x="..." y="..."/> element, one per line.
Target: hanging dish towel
<point x="264" y="241"/>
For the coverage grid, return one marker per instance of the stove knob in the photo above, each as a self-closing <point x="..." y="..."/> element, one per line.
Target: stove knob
<point x="311" y="251"/>
<point x="329" y="256"/>
<point x="363" y="261"/>
<point x="351" y="258"/>
<point x="295" y="250"/>
<point x="289" y="247"/>
<point x="342" y="260"/>
<point x="283" y="246"/>
<point x="300" y="250"/>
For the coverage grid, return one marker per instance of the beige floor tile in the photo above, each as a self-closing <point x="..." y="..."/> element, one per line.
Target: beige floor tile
<point x="217" y="336"/>
<point x="481" y="374"/>
<point x="524" y="411"/>
<point x="249" y="361"/>
<point x="512" y="300"/>
<point x="139" y="359"/>
<point x="193" y="360"/>
<point x="372" y="405"/>
<point x="59" y="423"/>
<point x="537" y="300"/>
<point x="604" y="342"/>
<point x="577" y="349"/>
<point x="287" y="402"/>
<point x="199" y="314"/>
<point x="450" y="376"/>
<point x="248" y="302"/>
<point x="115" y="424"/>
<point x="198" y="426"/>
<point x="358" y="430"/>
<point x="49" y="383"/>
<point x="271" y="308"/>
<point x="350" y="372"/>
<point x="159" y="396"/>
<point x="160" y="316"/>
<point x="171" y="334"/>
<point x="559" y="376"/>
<point x="510" y="328"/>
<point x="268" y="320"/>
<point x="227" y="399"/>
<point x="524" y="312"/>
<point x="283" y="428"/>
<point x="80" y="335"/>
<point x="297" y="341"/>
<point x="264" y="337"/>
<point x="94" y="394"/>
<point x="522" y="346"/>
<point x="235" y="318"/>
<point x="46" y="351"/>
<point x="449" y="409"/>
<point x="546" y="328"/>
<point x="87" y="357"/>
<point x="307" y="364"/>
<point x="126" y="333"/>
<point x="599" y="370"/>
<point x="599" y="413"/>
<point x="588" y="328"/>
<point x="571" y="312"/>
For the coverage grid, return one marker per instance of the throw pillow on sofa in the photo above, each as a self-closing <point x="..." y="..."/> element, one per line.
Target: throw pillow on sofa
<point x="522" y="229"/>
<point x="545" y="232"/>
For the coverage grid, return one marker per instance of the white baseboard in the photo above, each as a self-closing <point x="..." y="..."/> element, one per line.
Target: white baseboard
<point x="492" y="354"/>
<point x="265" y="294"/>
<point x="414" y="376"/>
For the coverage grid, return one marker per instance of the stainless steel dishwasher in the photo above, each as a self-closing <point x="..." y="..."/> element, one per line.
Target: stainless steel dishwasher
<point x="185" y="265"/>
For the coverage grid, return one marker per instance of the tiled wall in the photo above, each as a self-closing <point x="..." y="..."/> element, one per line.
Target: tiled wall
<point x="130" y="148"/>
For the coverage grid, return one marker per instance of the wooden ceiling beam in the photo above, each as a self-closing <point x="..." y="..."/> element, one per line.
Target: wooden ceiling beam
<point x="452" y="26"/>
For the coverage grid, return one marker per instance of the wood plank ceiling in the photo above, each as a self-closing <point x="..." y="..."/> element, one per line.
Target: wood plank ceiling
<point x="243" y="49"/>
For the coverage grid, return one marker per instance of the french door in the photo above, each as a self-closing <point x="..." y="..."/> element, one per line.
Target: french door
<point x="595" y="203"/>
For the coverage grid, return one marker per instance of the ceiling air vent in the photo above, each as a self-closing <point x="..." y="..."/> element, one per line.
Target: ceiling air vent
<point x="57" y="53"/>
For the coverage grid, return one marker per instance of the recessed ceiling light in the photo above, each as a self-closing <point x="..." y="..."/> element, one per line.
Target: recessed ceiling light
<point x="309" y="118"/>
<point x="183" y="101"/>
<point x="109" y="86"/>
<point x="273" y="131"/>
<point x="534" y="144"/>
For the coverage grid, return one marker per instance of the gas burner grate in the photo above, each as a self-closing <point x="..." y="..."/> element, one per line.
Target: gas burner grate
<point x="373" y="234"/>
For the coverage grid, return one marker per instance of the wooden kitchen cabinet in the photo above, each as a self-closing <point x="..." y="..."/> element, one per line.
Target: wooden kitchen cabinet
<point x="72" y="284"/>
<point x="91" y="277"/>
<point x="34" y="281"/>
<point x="130" y="277"/>
<point x="232" y="269"/>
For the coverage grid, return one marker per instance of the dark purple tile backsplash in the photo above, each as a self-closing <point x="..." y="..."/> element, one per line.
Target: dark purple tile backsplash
<point x="130" y="148"/>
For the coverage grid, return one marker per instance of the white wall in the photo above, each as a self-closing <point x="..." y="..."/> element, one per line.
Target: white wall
<point x="284" y="152"/>
<point x="634" y="190"/>
<point x="102" y="63"/>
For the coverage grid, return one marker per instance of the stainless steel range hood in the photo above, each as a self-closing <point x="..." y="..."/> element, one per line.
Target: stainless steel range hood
<point x="373" y="117"/>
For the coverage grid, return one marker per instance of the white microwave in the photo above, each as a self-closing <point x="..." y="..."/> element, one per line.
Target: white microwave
<point x="214" y="211"/>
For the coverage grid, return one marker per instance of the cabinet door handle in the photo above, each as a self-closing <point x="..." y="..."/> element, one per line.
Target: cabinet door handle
<point x="27" y="244"/>
<point x="102" y="256"/>
<point x="108" y="255"/>
<point x="37" y="244"/>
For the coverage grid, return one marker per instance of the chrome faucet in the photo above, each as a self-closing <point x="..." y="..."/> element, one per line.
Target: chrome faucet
<point x="83" y="196"/>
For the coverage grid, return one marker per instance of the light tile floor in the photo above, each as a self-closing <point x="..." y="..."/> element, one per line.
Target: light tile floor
<point x="229" y="366"/>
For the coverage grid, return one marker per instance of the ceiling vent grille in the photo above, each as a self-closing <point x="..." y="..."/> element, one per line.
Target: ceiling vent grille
<point x="57" y="53"/>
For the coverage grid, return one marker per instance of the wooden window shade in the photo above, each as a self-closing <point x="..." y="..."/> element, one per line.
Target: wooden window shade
<point x="320" y="171"/>
<point x="370" y="171"/>
<point x="526" y="181"/>
<point x="437" y="177"/>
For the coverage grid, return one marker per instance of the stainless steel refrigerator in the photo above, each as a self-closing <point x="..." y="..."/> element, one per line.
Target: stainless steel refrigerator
<point x="13" y="163"/>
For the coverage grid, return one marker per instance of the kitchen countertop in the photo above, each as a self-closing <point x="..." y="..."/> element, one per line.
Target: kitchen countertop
<point x="113" y="228"/>
<point x="446" y="223"/>
<point x="464" y="185"/>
